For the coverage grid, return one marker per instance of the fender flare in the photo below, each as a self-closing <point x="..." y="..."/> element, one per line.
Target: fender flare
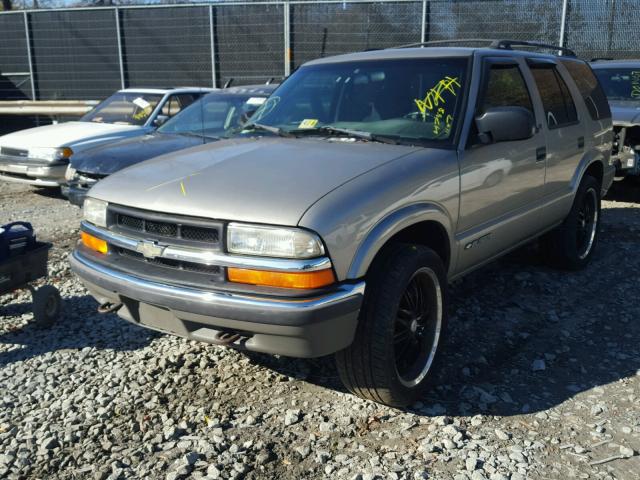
<point x="585" y="162"/>
<point x="393" y="223"/>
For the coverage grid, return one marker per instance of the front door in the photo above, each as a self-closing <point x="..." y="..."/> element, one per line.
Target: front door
<point x="500" y="182"/>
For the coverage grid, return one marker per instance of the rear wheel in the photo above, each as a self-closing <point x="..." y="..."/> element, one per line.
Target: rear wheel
<point x="571" y="245"/>
<point x="400" y="327"/>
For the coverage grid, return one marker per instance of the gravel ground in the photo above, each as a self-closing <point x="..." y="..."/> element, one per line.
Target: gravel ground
<point x="540" y="381"/>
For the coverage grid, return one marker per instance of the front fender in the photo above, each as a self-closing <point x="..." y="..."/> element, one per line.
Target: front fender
<point x="390" y="226"/>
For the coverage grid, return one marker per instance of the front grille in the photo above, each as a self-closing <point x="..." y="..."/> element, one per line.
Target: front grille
<point x="167" y="229"/>
<point x="156" y="228"/>
<point x="161" y="228"/>
<point x="175" y="264"/>
<point x="198" y="234"/>
<point x="14" y="152"/>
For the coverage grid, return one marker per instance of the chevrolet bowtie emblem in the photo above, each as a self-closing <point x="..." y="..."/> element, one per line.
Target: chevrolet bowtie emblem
<point x="149" y="249"/>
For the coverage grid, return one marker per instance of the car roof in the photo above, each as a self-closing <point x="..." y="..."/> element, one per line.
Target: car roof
<point x="164" y="91"/>
<point x="630" y="63"/>
<point x="430" y="52"/>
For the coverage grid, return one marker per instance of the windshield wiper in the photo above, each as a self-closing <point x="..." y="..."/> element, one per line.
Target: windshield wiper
<point x="266" y="128"/>
<point x="337" y="131"/>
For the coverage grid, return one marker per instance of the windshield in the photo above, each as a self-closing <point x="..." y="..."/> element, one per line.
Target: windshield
<point x="620" y="83"/>
<point x="124" y="108"/>
<point x="214" y="115"/>
<point x="407" y="99"/>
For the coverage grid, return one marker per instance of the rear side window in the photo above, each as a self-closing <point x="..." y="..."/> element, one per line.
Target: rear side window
<point x="558" y="105"/>
<point x="506" y="88"/>
<point x="590" y="89"/>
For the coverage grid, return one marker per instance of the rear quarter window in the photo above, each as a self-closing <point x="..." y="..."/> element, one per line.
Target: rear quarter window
<point x="590" y="89"/>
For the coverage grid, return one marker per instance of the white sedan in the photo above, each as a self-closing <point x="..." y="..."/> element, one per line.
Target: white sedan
<point x="39" y="156"/>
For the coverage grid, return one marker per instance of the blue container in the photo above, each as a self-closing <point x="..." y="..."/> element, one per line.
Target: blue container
<point x="15" y="239"/>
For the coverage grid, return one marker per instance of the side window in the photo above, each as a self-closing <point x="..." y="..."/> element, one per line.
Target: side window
<point x="505" y="88"/>
<point x="590" y="89"/>
<point x="558" y="105"/>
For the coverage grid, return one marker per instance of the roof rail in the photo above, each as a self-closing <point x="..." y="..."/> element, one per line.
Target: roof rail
<point x="443" y="42"/>
<point x="601" y="59"/>
<point x="500" y="44"/>
<point x="509" y="44"/>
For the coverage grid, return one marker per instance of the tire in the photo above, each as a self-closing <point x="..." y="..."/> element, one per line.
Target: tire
<point x="372" y="367"/>
<point x="46" y="305"/>
<point x="571" y="245"/>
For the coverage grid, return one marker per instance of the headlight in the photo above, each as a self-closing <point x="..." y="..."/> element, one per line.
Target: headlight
<point x="95" y="211"/>
<point x="50" y="154"/>
<point x="273" y="241"/>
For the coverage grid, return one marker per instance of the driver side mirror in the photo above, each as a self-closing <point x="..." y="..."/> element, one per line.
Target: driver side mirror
<point x="505" y="124"/>
<point x="160" y="120"/>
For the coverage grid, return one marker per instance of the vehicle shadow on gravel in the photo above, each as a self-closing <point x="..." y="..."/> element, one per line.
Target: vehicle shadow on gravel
<point x="49" y="193"/>
<point x="524" y="337"/>
<point x="78" y="327"/>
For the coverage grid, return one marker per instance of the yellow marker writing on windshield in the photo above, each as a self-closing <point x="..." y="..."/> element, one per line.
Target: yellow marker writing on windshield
<point x="635" y="84"/>
<point x="434" y="97"/>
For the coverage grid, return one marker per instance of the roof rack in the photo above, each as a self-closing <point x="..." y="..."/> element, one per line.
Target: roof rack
<point x="443" y="42"/>
<point x="509" y="44"/>
<point x="499" y="44"/>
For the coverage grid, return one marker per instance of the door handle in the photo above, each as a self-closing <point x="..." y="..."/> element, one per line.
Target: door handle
<point x="541" y="154"/>
<point x="580" y="142"/>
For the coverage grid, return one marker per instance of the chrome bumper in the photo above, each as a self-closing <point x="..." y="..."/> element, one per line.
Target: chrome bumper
<point x="298" y="327"/>
<point x="31" y="172"/>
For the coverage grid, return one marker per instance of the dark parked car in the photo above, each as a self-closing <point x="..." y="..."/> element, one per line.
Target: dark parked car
<point x="204" y="121"/>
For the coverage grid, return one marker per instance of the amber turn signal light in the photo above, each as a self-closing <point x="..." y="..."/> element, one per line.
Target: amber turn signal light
<point x="307" y="280"/>
<point x="93" y="243"/>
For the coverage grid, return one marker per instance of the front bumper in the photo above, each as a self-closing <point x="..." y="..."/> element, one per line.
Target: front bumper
<point x="296" y="327"/>
<point x="32" y="172"/>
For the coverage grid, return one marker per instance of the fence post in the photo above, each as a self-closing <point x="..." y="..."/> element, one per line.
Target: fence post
<point x="287" y="39"/>
<point x="423" y="35"/>
<point x="213" y="47"/>
<point x="27" y="36"/>
<point x="563" y="22"/>
<point x="116" y="12"/>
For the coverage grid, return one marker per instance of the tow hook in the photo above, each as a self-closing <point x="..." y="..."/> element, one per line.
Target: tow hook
<point x="226" y="338"/>
<point x="109" y="307"/>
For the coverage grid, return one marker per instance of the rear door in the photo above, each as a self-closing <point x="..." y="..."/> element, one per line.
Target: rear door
<point x="564" y="131"/>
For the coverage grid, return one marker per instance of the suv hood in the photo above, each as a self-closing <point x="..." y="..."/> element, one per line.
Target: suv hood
<point x="68" y="134"/>
<point x="264" y="180"/>
<point x="625" y="113"/>
<point x="111" y="157"/>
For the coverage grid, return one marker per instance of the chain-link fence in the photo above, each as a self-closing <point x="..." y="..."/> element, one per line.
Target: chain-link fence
<point x="88" y="53"/>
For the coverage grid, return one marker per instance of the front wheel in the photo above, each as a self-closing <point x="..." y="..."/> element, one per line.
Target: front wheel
<point x="571" y="245"/>
<point x="400" y="328"/>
